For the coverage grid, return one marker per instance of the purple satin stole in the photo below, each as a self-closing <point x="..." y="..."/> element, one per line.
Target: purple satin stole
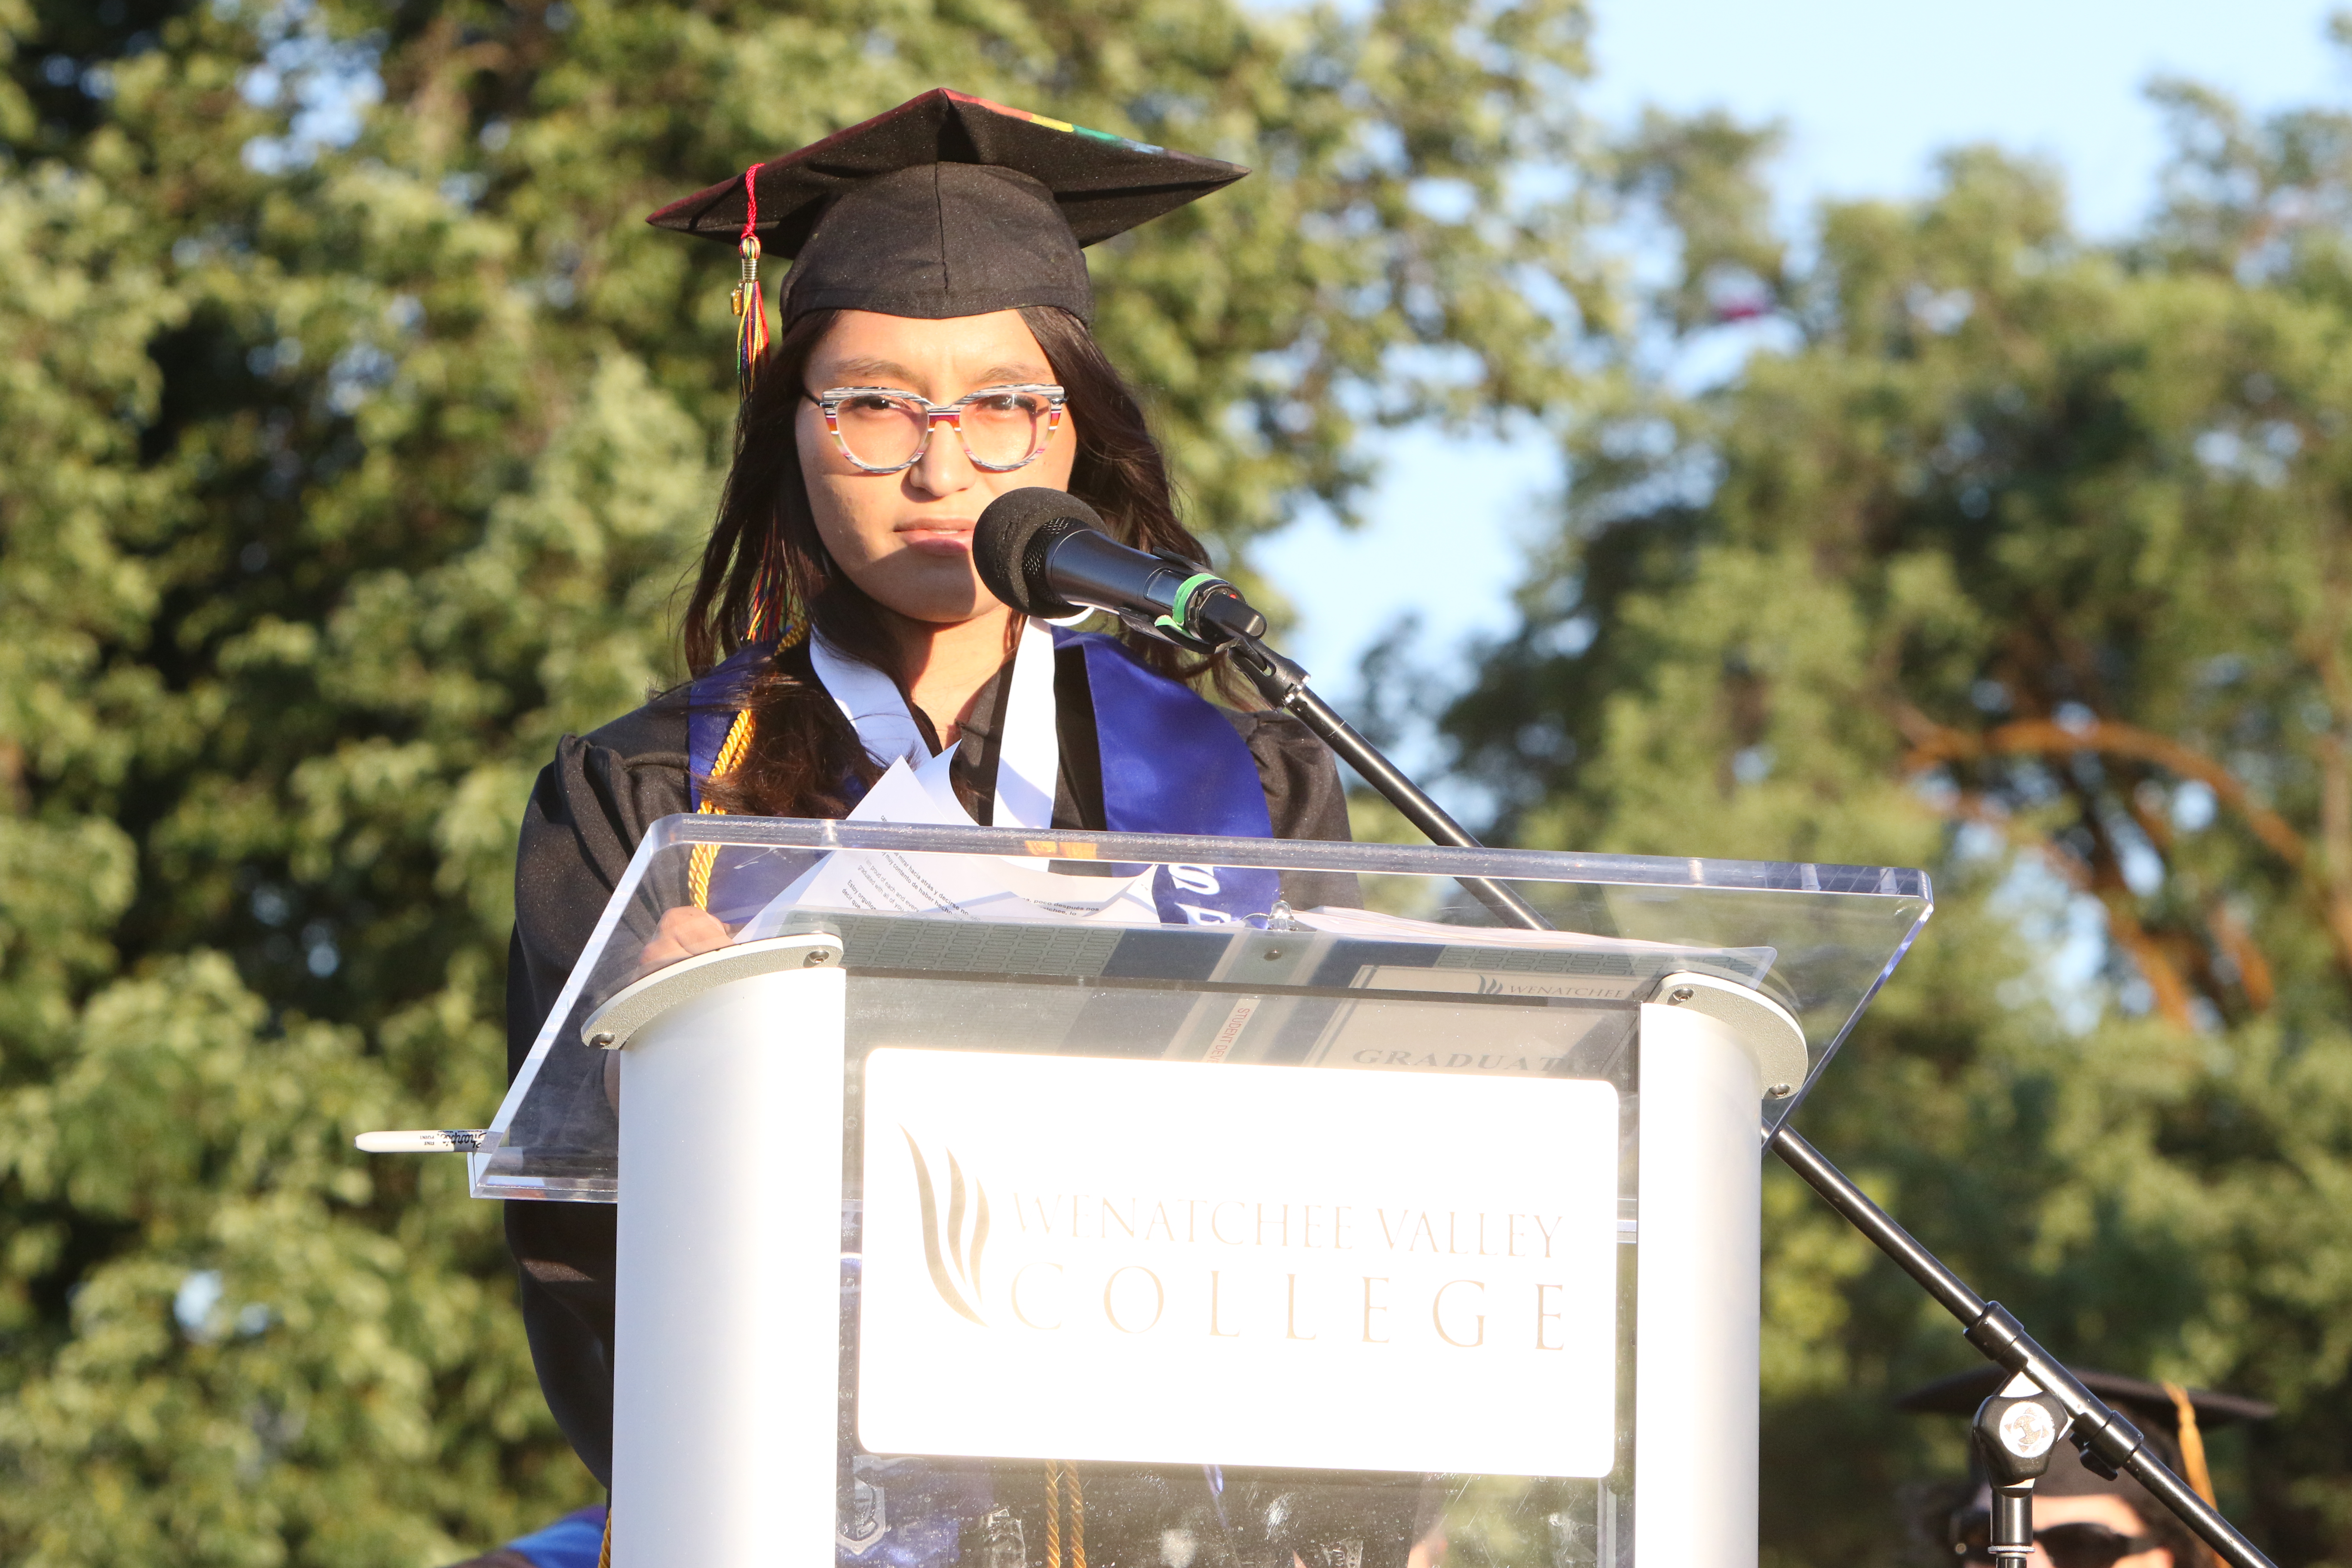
<point x="1171" y="763"/>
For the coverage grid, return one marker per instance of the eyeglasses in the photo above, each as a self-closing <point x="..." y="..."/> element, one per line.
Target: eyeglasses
<point x="2083" y="1545"/>
<point x="885" y="431"/>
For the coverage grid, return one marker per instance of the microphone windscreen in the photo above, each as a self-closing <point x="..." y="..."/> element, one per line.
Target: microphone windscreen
<point x="1010" y="540"/>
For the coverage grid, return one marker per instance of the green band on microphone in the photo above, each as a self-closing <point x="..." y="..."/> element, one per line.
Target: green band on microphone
<point x="1179" y="607"/>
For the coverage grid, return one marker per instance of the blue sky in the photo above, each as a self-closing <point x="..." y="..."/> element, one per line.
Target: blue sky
<point x="1869" y="90"/>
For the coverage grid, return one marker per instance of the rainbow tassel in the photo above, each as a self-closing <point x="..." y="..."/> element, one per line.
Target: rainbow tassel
<point x="750" y="311"/>
<point x="751" y="319"/>
<point x="772" y="616"/>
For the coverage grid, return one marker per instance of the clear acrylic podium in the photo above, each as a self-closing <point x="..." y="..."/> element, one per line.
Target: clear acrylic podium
<point x="974" y="1211"/>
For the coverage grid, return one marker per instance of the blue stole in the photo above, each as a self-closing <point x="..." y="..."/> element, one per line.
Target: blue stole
<point x="1171" y="763"/>
<point x="576" y="1541"/>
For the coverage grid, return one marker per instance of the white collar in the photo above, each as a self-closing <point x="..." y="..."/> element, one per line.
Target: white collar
<point x="1029" y="752"/>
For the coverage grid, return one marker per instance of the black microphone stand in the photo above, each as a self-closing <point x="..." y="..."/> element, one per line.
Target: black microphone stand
<point x="1284" y="684"/>
<point x="2109" y="1443"/>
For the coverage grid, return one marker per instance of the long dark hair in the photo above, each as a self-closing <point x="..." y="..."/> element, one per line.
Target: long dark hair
<point x="804" y="750"/>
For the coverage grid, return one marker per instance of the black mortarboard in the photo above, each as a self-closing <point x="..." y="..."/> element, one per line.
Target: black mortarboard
<point x="947" y="206"/>
<point x="2149" y="1404"/>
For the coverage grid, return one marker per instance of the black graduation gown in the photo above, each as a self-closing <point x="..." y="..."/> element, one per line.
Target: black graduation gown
<point x="588" y="809"/>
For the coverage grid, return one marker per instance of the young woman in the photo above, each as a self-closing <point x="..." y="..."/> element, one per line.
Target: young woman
<point x="935" y="354"/>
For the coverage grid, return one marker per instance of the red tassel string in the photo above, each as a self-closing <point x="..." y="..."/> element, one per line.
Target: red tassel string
<point x="750" y="311"/>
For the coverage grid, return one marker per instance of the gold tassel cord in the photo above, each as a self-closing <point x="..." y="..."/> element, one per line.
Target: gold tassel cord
<point x="2192" y="1443"/>
<point x="1077" y="1520"/>
<point x="732" y="753"/>
<point x="706" y="855"/>
<point x="604" y="1558"/>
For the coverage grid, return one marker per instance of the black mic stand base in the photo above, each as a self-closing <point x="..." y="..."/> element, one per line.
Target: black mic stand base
<point x="2109" y="1443"/>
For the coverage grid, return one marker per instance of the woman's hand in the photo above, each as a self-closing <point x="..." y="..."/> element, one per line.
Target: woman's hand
<point x="684" y="932"/>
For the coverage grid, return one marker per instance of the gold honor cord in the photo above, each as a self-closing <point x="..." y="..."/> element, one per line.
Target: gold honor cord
<point x="1053" y="1513"/>
<point x="706" y="855"/>
<point x="604" y="1558"/>
<point x="2192" y="1443"/>
<point x="1055" y="1471"/>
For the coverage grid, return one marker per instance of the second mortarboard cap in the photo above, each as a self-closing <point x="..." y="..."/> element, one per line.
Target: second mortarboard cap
<point x="2174" y="1418"/>
<point x="946" y="206"/>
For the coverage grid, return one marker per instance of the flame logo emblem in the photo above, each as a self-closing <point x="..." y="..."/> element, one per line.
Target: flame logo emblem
<point x="954" y="1250"/>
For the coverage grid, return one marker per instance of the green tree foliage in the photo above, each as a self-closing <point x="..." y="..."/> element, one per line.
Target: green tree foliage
<point x="2030" y="560"/>
<point x="358" y="435"/>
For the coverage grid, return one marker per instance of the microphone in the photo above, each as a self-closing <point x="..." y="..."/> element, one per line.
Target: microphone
<point x="1044" y="553"/>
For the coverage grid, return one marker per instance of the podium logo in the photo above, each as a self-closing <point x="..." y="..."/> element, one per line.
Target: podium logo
<point x="951" y="1247"/>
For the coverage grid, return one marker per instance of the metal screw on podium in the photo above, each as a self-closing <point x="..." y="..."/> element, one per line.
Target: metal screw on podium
<point x="816" y="957"/>
<point x="603" y="1041"/>
<point x="1681" y="994"/>
<point x="1781" y="1091"/>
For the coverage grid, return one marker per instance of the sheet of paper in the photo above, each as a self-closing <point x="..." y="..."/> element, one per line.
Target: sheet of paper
<point x="959" y="887"/>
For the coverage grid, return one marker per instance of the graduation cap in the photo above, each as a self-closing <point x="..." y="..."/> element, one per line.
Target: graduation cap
<point x="946" y="206"/>
<point x="2174" y="1418"/>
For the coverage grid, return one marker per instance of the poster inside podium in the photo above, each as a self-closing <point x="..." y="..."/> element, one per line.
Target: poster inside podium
<point x="1266" y="1197"/>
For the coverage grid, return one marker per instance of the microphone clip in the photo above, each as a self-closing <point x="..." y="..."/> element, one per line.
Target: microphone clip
<point x="1163" y="630"/>
<point x="1205" y="612"/>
